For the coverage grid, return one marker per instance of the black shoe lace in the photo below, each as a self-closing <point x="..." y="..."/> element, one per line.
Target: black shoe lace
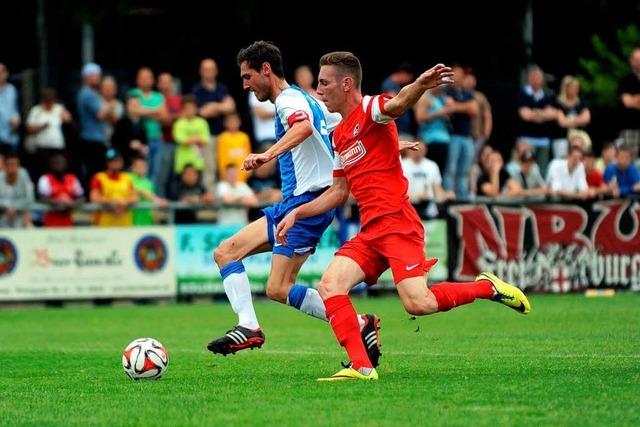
<point x="346" y="365"/>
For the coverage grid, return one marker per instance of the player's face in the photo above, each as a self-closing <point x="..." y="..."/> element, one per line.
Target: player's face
<point x="255" y="81"/>
<point x="330" y="88"/>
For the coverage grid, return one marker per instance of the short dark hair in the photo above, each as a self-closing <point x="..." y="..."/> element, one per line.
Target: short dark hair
<point x="189" y="99"/>
<point x="625" y="148"/>
<point x="230" y="166"/>
<point x="346" y="62"/>
<point x="137" y="158"/>
<point x="259" y="52"/>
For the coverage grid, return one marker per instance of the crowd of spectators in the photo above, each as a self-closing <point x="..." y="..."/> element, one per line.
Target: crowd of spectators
<point x="146" y="147"/>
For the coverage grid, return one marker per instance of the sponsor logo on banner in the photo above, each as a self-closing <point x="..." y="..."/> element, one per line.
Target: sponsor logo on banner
<point x="554" y="248"/>
<point x="150" y="254"/>
<point x="8" y="257"/>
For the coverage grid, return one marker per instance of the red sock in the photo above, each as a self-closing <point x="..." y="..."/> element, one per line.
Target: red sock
<point x="450" y="294"/>
<point x="344" y="322"/>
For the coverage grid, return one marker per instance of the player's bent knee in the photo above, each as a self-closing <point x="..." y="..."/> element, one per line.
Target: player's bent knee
<point x="278" y="292"/>
<point x="421" y="306"/>
<point x="328" y="288"/>
<point x="223" y="255"/>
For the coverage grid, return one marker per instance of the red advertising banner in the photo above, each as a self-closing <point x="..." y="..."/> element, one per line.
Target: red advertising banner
<point x="551" y="247"/>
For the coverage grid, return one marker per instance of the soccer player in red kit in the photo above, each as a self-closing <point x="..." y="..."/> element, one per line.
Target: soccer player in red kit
<point x="367" y="165"/>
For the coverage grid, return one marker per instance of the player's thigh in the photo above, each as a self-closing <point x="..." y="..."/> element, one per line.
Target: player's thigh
<point x="416" y="297"/>
<point x="342" y="274"/>
<point x="251" y="239"/>
<point x="284" y="271"/>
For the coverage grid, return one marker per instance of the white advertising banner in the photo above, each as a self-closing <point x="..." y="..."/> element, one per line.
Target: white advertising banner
<point x="87" y="263"/>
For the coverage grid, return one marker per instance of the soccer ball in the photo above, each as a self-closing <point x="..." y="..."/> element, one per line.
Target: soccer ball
<point x="145" y="358"/>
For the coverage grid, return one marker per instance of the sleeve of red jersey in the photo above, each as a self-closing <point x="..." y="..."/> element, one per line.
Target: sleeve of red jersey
<point x="96" y="184"/>
<point x="378" y="113"/>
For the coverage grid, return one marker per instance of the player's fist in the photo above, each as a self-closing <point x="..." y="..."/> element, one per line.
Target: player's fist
<point x="254" y="161"/>
<point x="435" y="76"/>
<point x="287" y="222"/>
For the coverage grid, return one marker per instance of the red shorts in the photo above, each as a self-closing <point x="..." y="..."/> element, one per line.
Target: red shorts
<point x="395" y="241"/>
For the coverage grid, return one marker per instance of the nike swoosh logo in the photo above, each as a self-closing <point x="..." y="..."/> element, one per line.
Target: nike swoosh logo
<point x="411" y="267"/>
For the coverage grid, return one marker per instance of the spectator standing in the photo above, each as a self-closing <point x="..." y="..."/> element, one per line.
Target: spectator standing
<point x="191" y="134"/>
<point x="567" y="178"/>
<point x="109" y="91"/>
<point x="233" y="146"/>
<point x="432" y="116"/>
<point x="92" y="113"/>
<point x="623" y="177"/>
<point x="44" y="126"/>
<point x="629" y="89"/>
<point x="144" y="189"/>
<point x="148" y="106"/>
<point x="236" y="197"/>
<point x="262" y="116"/>
<point x="303" y="77"/>
<point x="16" y="194"/>
<point x="401" y="77"/>
<point x="537" y="112"/>
<point x="114" y="190"/>
<point x="481" y="123"/>
<point x="173" y="102"/>
<point x="461" y="152"/>
<point x="214" y="102"/>
<point x="573" y="113"/>
<point x="61" y="190"/>
<point x="9" y="113"/>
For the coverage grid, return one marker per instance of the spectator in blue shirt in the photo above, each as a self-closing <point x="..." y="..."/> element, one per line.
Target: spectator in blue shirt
<point x="9" y="115"/>
<point x="92" y="113"/>
<point x="623" y="176"/>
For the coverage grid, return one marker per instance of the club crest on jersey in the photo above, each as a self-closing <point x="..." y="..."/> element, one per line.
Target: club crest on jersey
<point x="353" y="154"/>
<point x="356" y="129"/>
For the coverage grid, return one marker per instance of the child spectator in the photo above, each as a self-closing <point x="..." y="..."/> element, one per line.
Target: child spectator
<point x="114" y="190"/>
<point x="191" y="133"/>
<point x="61" y="191"/>
<point x="190" y="190"/>
<point x="144" y="189"/>
<point x="233" y="146"/>
<point x="236" y="193"/>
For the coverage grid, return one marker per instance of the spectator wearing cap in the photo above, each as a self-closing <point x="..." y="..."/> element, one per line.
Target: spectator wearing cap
<point x="92" y="114"/>
<point x="114" y="190"/>
<point x="629" y="89"/>
<point x="61" y="191"/>
<point x="528" y="176"/>
<point x="495" y="180"/>
<point x="44" y="126"/>
<point x="9" y="113"/>
<point x="214" y="102"/>
<point x="537" y="113"/>
<point x="402" y="76"/>
<point x="482" y="123"/>
<point x="622" y="176"/>
<point x="16" y="194"/>
<point x="567" y="178"/>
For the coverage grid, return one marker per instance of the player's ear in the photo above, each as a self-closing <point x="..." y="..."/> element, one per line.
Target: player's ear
<point x="347" y="84"/>
<point x="265" y="68"/>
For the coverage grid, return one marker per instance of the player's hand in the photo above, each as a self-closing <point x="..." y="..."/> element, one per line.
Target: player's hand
<point x="408" y="145"/>
<point x="287" y="222"/>
<point x="436" y="76"/>
<point x="254" y="161"/>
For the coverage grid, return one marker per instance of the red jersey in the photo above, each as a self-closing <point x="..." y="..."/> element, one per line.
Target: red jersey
<point x="594" y="179"/>
<point x="366" y="153"/>
<point x="67" y="188"/>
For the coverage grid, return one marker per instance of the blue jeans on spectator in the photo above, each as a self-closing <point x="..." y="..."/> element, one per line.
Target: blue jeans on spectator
<point x="164" y="174"/>
<point x="459" y="159"/>
<point x="154" y="159"/>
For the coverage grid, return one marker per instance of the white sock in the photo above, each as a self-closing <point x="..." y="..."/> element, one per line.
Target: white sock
<point x="308" y="301"/>
<point x="238" y="290"/>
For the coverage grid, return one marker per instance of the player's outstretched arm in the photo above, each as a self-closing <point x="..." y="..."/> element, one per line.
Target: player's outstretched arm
<point x="335" y="196"/>
<point x="296" y="134"/>
<point x="410" y="94"/>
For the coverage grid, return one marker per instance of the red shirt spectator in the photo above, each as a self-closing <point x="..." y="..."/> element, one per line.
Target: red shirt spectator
<point x="594" y="179"/>
<point x="59" y="190"/>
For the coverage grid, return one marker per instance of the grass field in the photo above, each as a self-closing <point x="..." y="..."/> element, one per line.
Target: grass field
<point x="573" y="361"/>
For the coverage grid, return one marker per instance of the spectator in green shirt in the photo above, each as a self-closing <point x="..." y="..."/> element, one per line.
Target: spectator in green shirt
<point x="145" y="191"/>
<point x="147" y="105"/>
<point x="191" y="133"/>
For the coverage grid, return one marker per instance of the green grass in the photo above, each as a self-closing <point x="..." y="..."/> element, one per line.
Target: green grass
<point x="573" y="361"/>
